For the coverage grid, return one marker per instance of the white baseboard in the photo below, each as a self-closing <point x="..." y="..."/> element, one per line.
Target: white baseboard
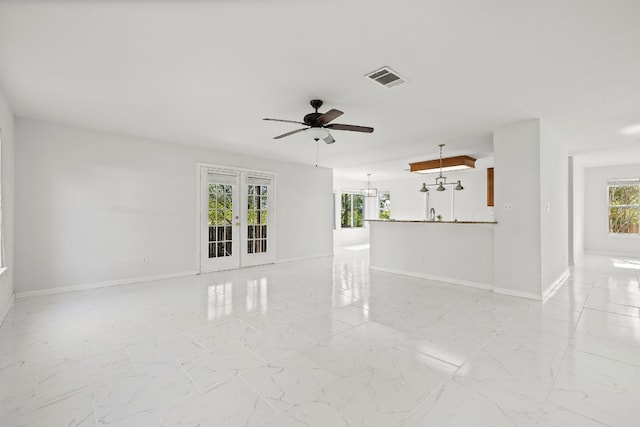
<point x="613" y="254"/>
<point x="468" y="283"/>
<point x="7" y="308"/>
<point x="131" y="281"/>
<point x="563" y="276"/>
<point x="514" y="293"/>
<point x="304" y="258"/>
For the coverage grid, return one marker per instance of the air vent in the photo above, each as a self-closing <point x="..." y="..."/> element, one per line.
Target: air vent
<point x="386" y="77"/>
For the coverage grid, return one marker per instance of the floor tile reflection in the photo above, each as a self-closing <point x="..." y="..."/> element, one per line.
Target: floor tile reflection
<point x="326" y="342"/>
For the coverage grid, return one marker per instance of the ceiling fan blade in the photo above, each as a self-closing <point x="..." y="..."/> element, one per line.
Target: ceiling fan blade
<point x="353" y="128"/>
<point x="285" y="121"/>
<point x="328" y="116"/>
<point x="289" y="133"/>
<point x="329" y="139"/>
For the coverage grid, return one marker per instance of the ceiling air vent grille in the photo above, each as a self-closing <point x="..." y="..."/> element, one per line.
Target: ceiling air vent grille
<point x="386" y="77"/>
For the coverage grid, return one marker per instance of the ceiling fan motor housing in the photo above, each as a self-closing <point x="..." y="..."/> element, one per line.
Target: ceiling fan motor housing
<point x="311" y="119"/>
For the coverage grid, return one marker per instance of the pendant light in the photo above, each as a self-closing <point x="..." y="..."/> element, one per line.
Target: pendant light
<point x="369" y="192"/>
<point x="441" y="181"/>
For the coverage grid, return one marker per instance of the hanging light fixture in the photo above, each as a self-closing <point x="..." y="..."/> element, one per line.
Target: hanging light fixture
<point x="369" y="192"/>
<point x="317" y="133"/>
<point x="441" y="181"/>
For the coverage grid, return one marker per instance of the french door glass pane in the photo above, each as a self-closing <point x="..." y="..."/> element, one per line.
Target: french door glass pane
<point x="257" y="206"/>
<point x="220" y="218"/>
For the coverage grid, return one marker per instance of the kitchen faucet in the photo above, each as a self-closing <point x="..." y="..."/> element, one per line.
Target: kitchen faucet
<point x="432" y="214"/>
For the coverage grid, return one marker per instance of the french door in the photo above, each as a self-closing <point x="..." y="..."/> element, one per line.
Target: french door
<point x="236" y="219"/>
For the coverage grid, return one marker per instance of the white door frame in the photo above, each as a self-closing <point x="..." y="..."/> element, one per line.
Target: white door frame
<point x="272" y="217"/>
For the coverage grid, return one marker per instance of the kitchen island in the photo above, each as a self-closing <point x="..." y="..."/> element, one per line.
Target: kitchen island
<point x="459" y="252"/>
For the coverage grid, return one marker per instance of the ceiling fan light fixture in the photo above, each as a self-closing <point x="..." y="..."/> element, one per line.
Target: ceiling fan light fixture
<point x="317" y="133"/>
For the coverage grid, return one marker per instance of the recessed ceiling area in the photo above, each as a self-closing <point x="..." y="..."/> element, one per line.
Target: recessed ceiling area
<point x="206" y="72"/>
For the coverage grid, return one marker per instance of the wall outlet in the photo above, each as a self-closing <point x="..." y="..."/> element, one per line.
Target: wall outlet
<point x="507" y="207"/>
<point x="145" y="259"/>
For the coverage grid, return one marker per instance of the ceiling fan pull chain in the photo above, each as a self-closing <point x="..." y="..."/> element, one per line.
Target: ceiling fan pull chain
<point x="317" y="152"/>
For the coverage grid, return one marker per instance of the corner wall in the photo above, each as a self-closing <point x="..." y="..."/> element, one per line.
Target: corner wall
<point x="531" y="198"/>
<point x="91" y="205"/>
<point x="517" y="258"/>
<point x="578" y="212"/>
<point x="7" y="156"/>
<point x="554" y="209"/>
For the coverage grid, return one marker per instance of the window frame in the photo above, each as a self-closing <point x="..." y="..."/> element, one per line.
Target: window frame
<point x="628" y="182"/>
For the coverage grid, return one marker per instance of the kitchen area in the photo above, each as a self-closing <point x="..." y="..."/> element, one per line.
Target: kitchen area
<point x="453" y="240"/>
<point x="499" y="224"/>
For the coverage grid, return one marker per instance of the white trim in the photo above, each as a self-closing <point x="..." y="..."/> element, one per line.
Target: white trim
<point x="623" y="235"/>
<point x="131" y="281"/>
<point x="631" y="255"/>
<point x="7" y="308"/>
<point x="467" y="283"/>
<point x="303" y="258"/>
<point x="514" y="293"/>
<point x="559" y="281"/>
<point x="3" y="270"/>
<point x="199" y="167"/>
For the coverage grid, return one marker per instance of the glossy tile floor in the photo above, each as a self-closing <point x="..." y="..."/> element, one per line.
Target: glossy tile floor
<point x="326" y="343"/>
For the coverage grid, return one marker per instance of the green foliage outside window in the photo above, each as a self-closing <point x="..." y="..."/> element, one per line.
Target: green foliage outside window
<point x="220" y="204"/>
<point x="624" y="206"/>
<point x="384" y="205"/>
<point x="351" y="210"/>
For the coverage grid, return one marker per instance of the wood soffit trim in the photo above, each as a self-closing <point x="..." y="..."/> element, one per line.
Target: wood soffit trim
<point x="446" y="162"/>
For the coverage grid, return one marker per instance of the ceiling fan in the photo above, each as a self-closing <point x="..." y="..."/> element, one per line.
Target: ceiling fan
<point x="318" y="123"/>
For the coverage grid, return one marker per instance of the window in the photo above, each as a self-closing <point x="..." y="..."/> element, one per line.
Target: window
<point x="384" y="205"/>
<point x="624" y="206"/>
<point x="351" y="210"/>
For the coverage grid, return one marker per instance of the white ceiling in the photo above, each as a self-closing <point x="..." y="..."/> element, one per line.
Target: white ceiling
<point x="206" y="72"/>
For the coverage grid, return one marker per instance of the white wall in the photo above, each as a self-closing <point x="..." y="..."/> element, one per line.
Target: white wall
<point x="578" y="212"/>
<point x="596" y="217"/>
<point x="517" y="243"/>
<point x="531" y="198"/>
<point x="90" y="205"/>
<point x="7" y="156"/>
<point x="554" y="208"/>
<point x="458" y="245"/>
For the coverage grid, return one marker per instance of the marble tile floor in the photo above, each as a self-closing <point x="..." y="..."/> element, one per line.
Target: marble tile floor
<point x="326" y="343"/>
